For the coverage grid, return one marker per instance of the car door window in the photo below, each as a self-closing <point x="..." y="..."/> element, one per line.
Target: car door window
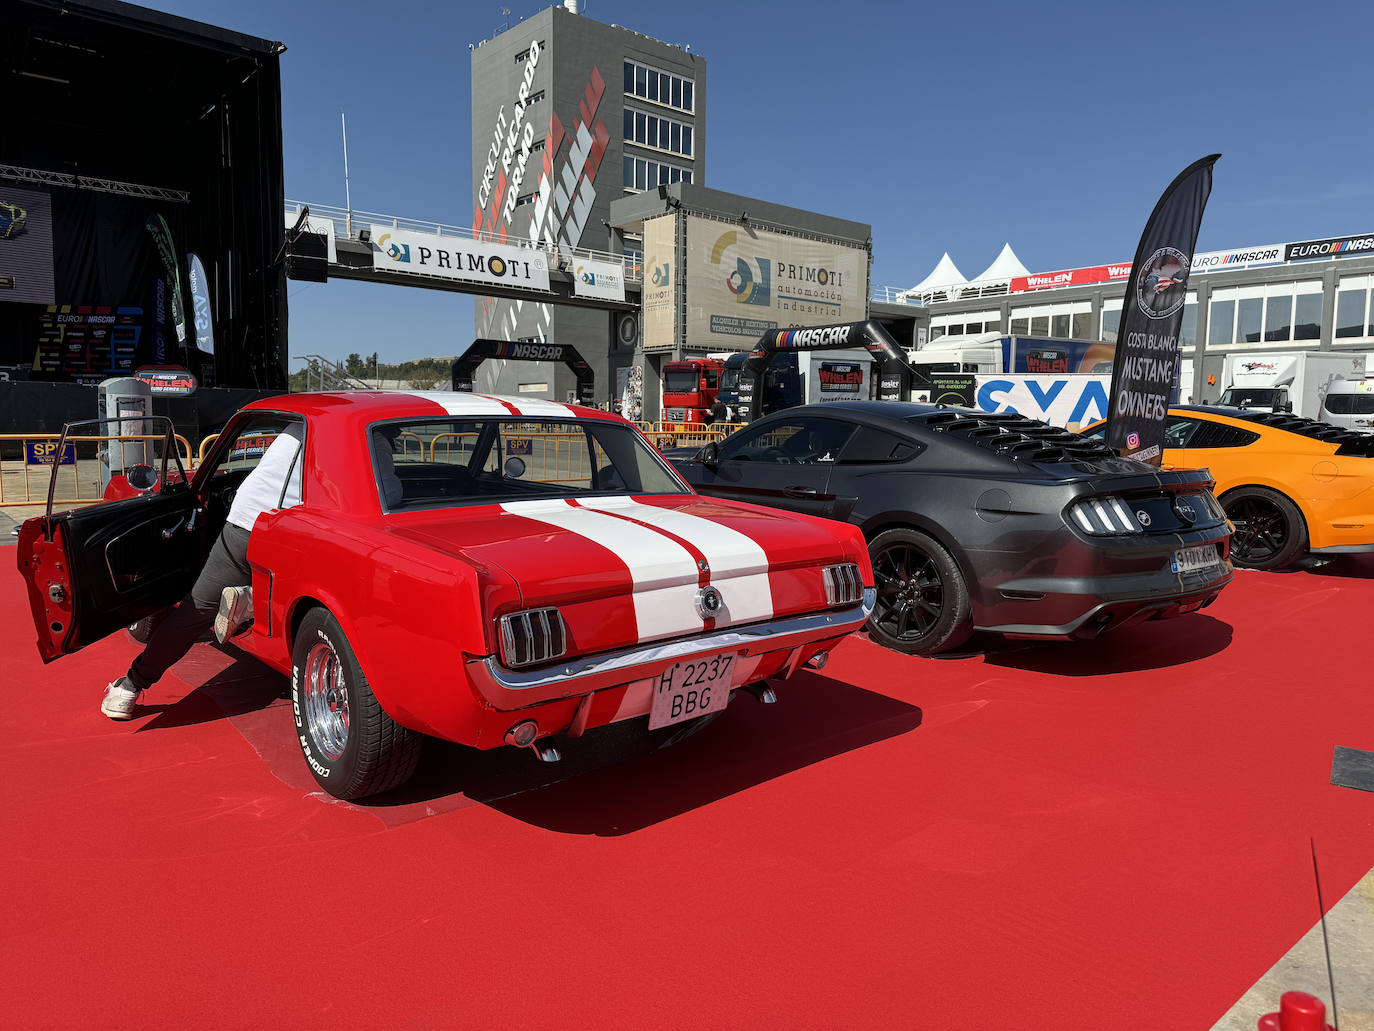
<point x="1178" y="431"/>
<point x="809" y="440"/>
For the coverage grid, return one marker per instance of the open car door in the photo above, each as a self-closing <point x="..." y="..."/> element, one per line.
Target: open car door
<point x="92" y="570"/>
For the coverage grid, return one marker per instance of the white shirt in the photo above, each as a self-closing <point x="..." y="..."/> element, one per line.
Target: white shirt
<point x="275" y="483"/>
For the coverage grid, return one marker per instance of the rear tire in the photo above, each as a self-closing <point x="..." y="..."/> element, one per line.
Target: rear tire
<point x="353" y="748"/>
<point x="923" y="603"/>
<point x="1270" y="530"/>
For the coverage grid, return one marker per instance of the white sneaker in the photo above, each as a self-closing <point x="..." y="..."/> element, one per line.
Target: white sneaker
<point x="121" y="699"/>
<point x="235" y="612"/>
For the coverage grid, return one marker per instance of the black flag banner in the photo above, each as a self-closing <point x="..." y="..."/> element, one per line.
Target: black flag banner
<point x="1147" y="350"/>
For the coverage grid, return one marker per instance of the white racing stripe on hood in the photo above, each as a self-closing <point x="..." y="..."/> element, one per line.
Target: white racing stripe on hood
<point x="663" y="572"/>
<point x="739" y="565"/>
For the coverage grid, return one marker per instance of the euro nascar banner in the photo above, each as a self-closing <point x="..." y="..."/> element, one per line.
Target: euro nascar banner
<point x="1147" y="349"/>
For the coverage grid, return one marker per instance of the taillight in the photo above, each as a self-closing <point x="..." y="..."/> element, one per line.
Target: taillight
<point x="843" y="584"/>
<point x="533" y="636"/>
<point x="1103" y="517"/>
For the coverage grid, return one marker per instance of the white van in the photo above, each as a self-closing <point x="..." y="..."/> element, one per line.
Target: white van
<point x="1349" y="403"/>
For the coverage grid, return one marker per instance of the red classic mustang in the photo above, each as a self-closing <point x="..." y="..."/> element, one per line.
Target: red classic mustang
<point x="479" y="569"/>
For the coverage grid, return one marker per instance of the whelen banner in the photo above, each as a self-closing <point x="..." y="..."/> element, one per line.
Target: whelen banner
<point x="1147" y="351"/>
<point x="452" y="257"/>
<point x="743" y="282"/>
<point x="1069" y="277"/>
<point x="603" y="279"/>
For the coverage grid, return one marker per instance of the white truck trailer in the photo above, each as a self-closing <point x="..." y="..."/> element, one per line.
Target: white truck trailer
<point x="1292" y="381"/>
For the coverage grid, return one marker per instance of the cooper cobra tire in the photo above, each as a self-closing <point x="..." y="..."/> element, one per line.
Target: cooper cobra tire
<point x="923" y="603"/>
<point x="1270" y="530"/>
<point x="353" y="748"/>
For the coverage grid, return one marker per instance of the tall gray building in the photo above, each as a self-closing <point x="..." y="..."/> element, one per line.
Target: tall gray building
<point x="568" y="115"/>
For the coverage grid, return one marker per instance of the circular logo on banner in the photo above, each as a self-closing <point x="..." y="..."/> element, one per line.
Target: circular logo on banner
<point x="1163" y="284"/>
<point x="496" y="266"/>
<point x="628" y="330"/>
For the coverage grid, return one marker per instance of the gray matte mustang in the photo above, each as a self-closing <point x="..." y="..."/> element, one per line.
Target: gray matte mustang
<point x="983" y="522"/>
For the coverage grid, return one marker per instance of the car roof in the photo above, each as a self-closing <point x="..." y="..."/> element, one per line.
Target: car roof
<point x="1347" y="442"/>
<point x="372" y="405"/>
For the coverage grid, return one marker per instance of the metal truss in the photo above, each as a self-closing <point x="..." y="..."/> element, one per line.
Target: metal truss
<point x="87" y="182"/>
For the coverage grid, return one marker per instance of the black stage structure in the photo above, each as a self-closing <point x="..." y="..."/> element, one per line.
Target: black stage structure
<point x="134" y="139"/>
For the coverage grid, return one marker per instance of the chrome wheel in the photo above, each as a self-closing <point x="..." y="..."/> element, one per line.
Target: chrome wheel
<point x="326" y="700"/>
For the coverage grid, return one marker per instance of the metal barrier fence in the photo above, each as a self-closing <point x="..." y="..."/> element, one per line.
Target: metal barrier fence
<point x="25" y="482"/>
<point x="551" y="457"/>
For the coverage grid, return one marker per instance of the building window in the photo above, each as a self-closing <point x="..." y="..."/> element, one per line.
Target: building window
<point x="649" y="130"/>
<point x="645" y="174"/>
<point x="1064" y="320"/>
<point x="1307" y="317"/>
<point x="1187" y="330"/>
<point x="1353" y="315"/>
<point x="1278" y="317"/>
<point x="1271" y="314"/>
<point x="524" y="55"/>
<point x="660" y="87"/>
<point x="1249" y="319"/>
<point x="1221" y="323"/>
<point x="1111" y="318"/>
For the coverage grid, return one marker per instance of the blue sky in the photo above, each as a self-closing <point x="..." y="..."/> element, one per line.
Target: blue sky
<point x="950" y="126"/>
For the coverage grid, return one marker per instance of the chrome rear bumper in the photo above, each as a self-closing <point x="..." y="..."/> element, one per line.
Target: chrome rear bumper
<point x="514" y="689"/>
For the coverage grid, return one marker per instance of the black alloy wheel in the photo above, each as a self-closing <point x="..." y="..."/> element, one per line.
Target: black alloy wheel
<point x="923" y="603"/>
<point x="1270" y="531"/>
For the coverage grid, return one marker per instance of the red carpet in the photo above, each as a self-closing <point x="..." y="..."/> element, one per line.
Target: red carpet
<point x="1111" y="835"/>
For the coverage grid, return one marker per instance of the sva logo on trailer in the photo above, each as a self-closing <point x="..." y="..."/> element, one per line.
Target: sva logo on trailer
<point x="1059" y="400"/>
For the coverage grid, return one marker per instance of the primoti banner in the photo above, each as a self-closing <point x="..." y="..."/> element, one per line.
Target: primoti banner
<point x="1334" y="247"/>
<point x="743" y="282"/>
<point x="603" y="279"/>
<point x="451" y="257"/>
<point x="657" y="296"/>
<point x="1147" y="351"/>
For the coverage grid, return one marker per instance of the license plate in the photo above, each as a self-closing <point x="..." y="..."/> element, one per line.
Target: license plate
<point x="687" y="690"/>
<point x="1190" y="560"/>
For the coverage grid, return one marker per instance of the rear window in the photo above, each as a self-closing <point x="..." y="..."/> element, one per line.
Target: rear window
<point x="435" y="463"/>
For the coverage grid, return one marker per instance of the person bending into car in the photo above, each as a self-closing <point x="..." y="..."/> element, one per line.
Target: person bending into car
<point x="221" y="595"/>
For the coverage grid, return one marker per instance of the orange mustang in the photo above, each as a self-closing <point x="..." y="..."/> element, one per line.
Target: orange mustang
<point x="1290" y="485"/>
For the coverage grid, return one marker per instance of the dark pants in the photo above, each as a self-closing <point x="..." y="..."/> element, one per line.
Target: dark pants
<point x="227" y="566"/>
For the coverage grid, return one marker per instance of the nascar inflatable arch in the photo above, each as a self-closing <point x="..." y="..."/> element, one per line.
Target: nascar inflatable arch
<point x="465" y="365"/>
<point x="896" y="377"/>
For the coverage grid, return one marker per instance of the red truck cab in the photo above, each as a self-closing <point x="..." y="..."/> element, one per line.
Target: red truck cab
<point x="689" y="390"/>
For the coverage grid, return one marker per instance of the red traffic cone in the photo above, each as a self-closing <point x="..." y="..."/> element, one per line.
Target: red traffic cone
<point x="1298" y="1011"/>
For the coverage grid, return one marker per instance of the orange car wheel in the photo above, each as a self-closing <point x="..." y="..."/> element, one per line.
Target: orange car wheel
<point x="1270" y="530"/>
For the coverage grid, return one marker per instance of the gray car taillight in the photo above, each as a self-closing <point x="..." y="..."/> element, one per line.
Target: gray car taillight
<point x="843" y="584"/>
<point x="533" y="636"/>
<point x="1103" y="517"/>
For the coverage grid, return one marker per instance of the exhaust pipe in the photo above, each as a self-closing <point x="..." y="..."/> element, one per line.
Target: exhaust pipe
<point x="523" y="735"/>
<point x="762" y="692"/>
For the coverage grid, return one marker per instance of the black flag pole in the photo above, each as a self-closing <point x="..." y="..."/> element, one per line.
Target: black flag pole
<point x="1147" y="347"/>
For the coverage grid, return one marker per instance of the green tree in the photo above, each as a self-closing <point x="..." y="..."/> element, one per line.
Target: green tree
<point x="355" y="366"/>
